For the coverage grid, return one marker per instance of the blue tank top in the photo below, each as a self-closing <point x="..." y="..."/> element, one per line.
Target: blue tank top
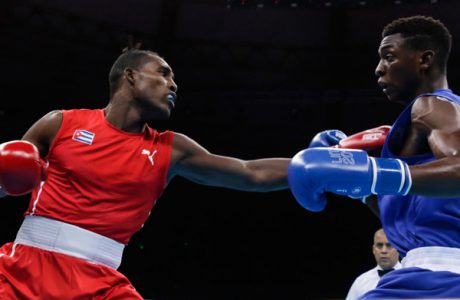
<point x="414" y="221"/>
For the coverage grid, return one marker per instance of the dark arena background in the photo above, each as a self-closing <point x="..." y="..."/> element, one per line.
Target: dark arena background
<point x="257" y="78"/>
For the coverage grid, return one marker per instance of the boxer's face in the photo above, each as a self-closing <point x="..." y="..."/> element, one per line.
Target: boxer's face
<point x="398" y="70"/>
<point x="153" y="87"/>
<point x="385" y="255"/>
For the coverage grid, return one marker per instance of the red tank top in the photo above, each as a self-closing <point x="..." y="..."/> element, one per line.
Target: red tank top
<point x="101" y="178"/>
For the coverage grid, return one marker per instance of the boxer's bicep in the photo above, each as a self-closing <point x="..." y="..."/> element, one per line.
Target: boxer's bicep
<point x="439" y="119"/>
<point x="42" y="132"/>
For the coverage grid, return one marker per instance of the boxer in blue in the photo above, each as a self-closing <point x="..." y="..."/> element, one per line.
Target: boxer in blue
<point x="417" y="176"/>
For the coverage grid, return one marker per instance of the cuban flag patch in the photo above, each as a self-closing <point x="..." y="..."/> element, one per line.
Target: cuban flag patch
<point x="83" y="136"/>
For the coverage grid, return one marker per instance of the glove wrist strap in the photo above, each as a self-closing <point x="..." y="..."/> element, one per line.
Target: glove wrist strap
<point x="390" y="177"/>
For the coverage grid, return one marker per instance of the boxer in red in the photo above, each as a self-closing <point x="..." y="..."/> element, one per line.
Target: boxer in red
<point x="105" y="170"/>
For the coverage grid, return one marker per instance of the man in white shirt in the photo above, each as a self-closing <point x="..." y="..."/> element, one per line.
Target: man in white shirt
<point x="387" y="259"/>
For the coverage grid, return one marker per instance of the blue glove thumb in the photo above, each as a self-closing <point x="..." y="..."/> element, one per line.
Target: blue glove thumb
<point x="327" y="138"/>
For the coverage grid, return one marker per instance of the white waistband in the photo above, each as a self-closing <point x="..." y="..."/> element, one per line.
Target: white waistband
<point x="433" y="258"/>
<point x="57" y="236"/>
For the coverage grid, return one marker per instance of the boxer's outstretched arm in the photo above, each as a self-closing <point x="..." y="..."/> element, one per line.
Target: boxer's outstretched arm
<point x="192" y="161"/>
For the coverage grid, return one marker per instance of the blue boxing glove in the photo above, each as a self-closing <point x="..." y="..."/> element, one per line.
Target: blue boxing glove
<point x="327" y="138"/>
<point x="313" y="172"/>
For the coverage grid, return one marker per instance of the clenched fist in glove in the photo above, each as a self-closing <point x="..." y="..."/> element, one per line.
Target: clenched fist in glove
<point x="21" y="169"/>
<point x="315" y="171"/>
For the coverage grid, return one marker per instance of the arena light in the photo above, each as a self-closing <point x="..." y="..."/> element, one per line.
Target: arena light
<point x="297" y="4"/>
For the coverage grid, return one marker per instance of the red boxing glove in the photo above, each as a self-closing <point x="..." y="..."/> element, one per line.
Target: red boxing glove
<point x="368" y="140"/>
<point x="21" y="168"/>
